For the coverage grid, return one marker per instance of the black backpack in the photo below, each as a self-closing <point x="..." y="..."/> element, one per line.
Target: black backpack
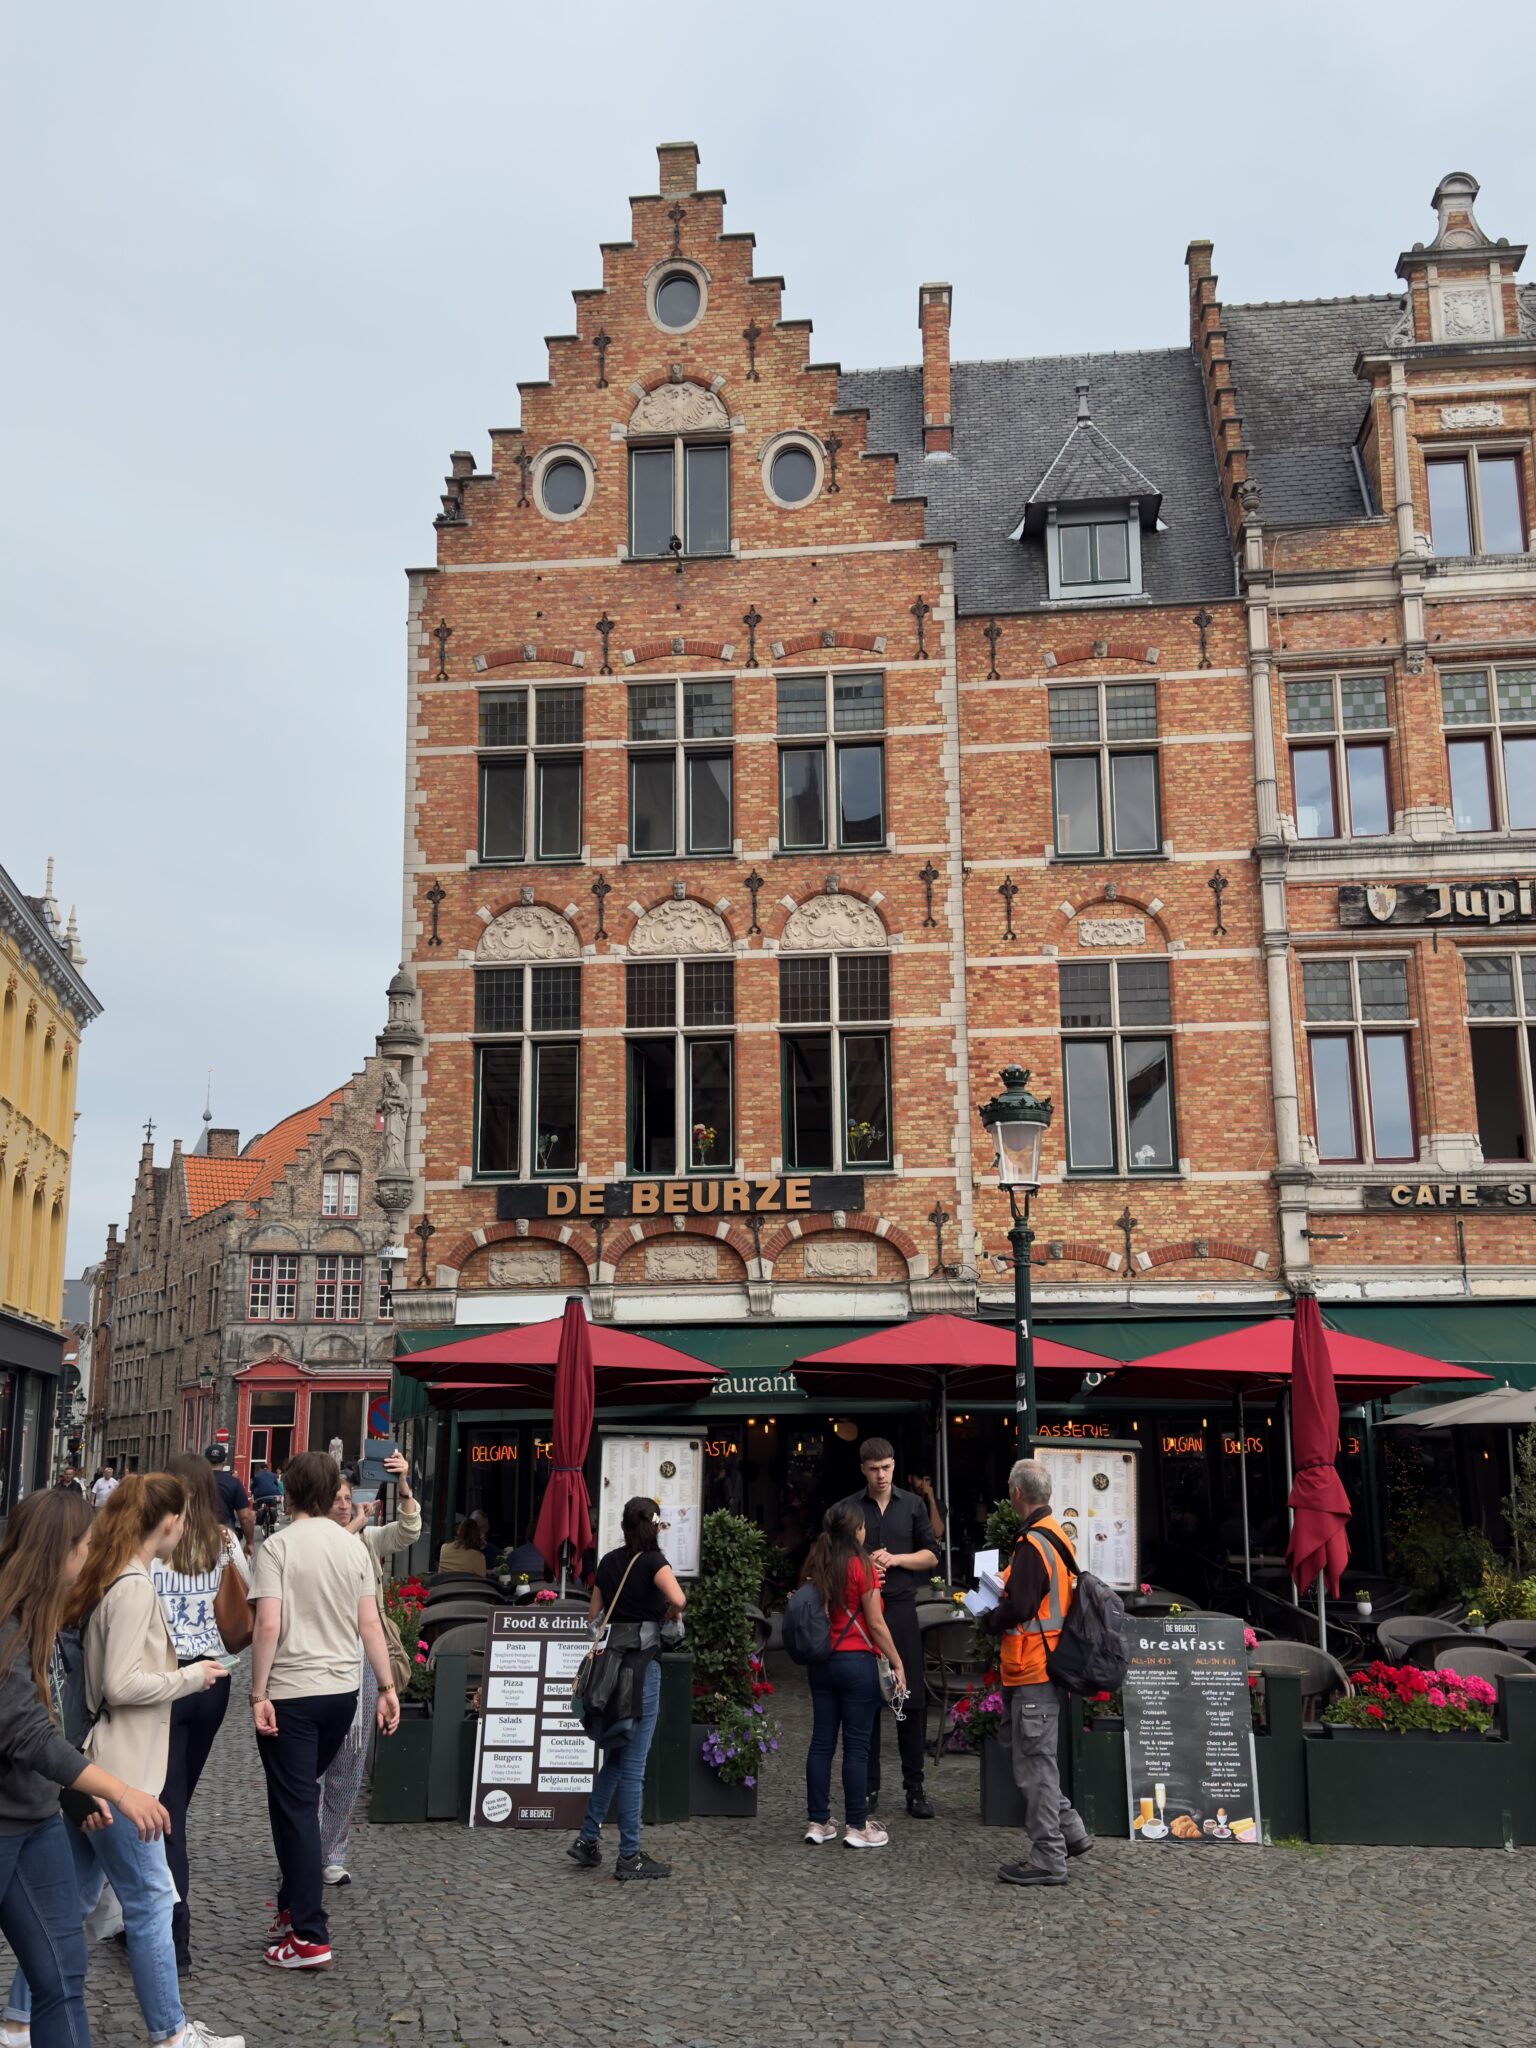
<point x="1090" y="1654"/>
<point x="807" y="1628"/>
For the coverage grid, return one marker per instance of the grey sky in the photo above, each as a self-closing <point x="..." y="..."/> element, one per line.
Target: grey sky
<point x="266" y="267"/>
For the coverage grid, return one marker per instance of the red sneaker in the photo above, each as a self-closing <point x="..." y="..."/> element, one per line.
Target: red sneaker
<point x="281" y="1925"/>
<point x="292" y="1953"/>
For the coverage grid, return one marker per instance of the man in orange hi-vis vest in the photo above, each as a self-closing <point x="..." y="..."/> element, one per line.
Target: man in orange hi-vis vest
<point x="1038" y="1588"/>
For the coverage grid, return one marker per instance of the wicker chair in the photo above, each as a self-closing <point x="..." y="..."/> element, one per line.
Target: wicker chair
<point x="949" y="1661"/>
<point x="1519" y="1636"/>
<point x="1415" y="1638"/>
<point x="1482" y="1660"/>
<point x="1323" y="1678"/>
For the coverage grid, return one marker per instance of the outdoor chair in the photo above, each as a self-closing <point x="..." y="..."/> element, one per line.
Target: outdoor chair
<point x="436" y="1621"/>
<point x="1415" y="1638"/>
<point x="440" y="1583"/>
<point x="1482" y="1660"/>
<point x="1519" y="1636"/>
<point x="950" y="1661"/>
<point x="1323" y="1678"/>
<point x="464" y="1639"/>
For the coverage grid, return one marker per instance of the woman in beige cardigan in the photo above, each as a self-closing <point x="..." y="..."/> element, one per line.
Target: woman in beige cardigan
<point x="131" y="1680"/>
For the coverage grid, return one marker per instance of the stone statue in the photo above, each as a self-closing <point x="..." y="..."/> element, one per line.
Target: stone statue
<point x="395" y="1108"/>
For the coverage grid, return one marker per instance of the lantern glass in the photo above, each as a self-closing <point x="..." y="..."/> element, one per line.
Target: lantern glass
<point x="1018" y="1153"/>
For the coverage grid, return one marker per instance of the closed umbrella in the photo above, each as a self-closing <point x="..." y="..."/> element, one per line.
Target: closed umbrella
<point x="1318" y="1548"/>
<point x="565" y="1516"/>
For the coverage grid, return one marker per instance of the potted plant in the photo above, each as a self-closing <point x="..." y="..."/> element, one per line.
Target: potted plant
<point x="1363" y="1602"/>
<point x="1402" y="1700"/>
<point x="723" y="1766"/>
<point x="1477" y="1621"/>
<point x="1104" y="1713"/>
<point x="727" y="1673"/>
<point x="402" y="1761"/>
<point x="703" y="1144"/>
<point x="864" y="1138"/>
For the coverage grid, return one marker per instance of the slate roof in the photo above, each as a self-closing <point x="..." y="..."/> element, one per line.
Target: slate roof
<point x="1301" y="402"/>
<point x="1010" y="421"/>
<point x="1090" y="468"/>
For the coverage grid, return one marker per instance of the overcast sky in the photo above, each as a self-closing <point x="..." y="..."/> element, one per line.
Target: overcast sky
<point x="265" y="267"/>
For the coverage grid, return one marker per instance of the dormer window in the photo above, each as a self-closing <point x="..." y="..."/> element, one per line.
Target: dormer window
<point x="1094" y="551"/>
<point x="1089" y="509"/>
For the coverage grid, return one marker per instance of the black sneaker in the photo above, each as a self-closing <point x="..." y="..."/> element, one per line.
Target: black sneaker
<point x="919" y="1807"/>
<point x="587" y="1854"/>
<point x="1080" y="1848"/>
<point x="640" y="1865"/>
<point x="1026" y="1873"/>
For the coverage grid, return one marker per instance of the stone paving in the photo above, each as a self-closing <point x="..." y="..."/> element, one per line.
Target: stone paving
<point x="449" y="1939"/>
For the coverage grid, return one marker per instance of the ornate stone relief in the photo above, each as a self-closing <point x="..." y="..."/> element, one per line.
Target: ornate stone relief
<point x="1112" y="931"/>
<point x="832" y="924"/>
<point x="1466" y="313"/>
<point x="529" y="932"/>
<point x="525" y="1265"/>
<point x="680" y="928"/>
<point x="678" y="409"/>
<point x="841" y="1258"/>
<point x="1460" y="416"/>
<point x="687" y="1260"/>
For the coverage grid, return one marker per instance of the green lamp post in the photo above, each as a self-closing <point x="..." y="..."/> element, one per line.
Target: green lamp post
<point x="1017" y="1121"/>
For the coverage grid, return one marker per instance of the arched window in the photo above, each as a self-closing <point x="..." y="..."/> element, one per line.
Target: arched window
<point x="45" y="1094"/>
<point x="24" y="1095"/>
<point x="8" y="1047"/>
<point x="35" y="1275"/>
<point x="15" y="1244"/>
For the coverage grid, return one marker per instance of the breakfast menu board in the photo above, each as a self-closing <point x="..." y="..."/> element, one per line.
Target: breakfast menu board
<point x="668" y="1469"/>
<point x="534" y="1763"/>
<point x="1093" y="1496"/>
<point x="1189" y="1763"/>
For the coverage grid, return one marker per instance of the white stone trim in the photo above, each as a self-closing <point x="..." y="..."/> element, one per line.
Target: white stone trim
<point x="793" y="437"/>
<point x="545" y="460"/>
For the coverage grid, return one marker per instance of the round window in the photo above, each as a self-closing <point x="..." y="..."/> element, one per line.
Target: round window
<point x="564" y="488"/>
<point x="793" y="474"/>
<point x="678" y="299"/>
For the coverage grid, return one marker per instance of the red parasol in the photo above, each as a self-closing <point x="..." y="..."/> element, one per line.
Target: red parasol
<point x="1263" y="1354"/>
<point x="1319" y="1504"/>
<point x="520" y="1365"/>
<point x="565" y="1517"/>
<point x="976" y="1360"/>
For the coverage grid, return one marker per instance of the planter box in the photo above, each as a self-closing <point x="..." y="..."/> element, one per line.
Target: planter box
<point x="708" y="1798"/>
<point x="1341" y="1732"/>
<point x="1002" y="1804"/>
<point x="402" y="1765"/>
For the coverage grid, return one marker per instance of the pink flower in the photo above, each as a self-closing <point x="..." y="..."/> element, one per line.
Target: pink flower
<point x="1250" y="1639"/>
<point x="1145" y="1587"/>
<point x="1437" y="1698"/>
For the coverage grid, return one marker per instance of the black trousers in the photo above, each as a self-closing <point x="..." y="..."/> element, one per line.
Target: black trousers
<point x="195" y="1721"/>
<point x="911" y="1734"/>
<point x="309" y="1733"/>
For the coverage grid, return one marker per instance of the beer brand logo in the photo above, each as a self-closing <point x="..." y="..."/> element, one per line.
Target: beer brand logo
<point x="1381" y="901"/>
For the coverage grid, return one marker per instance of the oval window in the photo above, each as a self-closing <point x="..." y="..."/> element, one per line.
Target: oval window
<point x="678" y="299"/>
<point x="793" y="474"/>
<point x="564" y="488"/>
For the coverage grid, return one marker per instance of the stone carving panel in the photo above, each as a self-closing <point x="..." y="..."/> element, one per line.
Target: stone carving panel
<point x="841" y="1258"/>
<point x="1112" y="931"/>
<point x="682" y="1261"/>
<point x="832" y="924"/>
<point x="1466" y="313"/>
<point x="679" y="409"/>
<point x="1460" y="417"/>
<point x="525" y="1265"/>
<point x="529" y="932"/>
<point x="684" y="927"/>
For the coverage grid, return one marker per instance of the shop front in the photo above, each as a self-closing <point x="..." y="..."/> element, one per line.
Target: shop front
<point x="31" y="1360"/>
<point x="283" y="1407"/>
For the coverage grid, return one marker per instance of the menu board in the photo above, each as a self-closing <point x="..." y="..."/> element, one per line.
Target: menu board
<point x="1189" y="1764"/>
<point x="1093" y="1496"/>
<point x="669" y="1469"/>
<point x="534" y="1763"/>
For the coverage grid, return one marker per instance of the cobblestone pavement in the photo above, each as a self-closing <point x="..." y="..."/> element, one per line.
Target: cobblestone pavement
<point x="449" y="1938"/>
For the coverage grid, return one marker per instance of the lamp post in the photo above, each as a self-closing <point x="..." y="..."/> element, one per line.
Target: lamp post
<point x="1017" y="1121"/>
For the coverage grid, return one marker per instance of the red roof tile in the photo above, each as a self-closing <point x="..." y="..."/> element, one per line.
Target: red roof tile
<point x="211" y="1183"/>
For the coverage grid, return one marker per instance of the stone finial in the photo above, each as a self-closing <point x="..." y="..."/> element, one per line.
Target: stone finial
<point x="1083" y="412"/>
<point x="72" y="945"/>
<point x="1456" y="224"/>
<point x="47" y="904"/>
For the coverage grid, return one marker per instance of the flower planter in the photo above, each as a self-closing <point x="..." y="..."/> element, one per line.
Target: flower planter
<point x="402" y="1765"/>
<point x="1105" y="1724"/>
<point x="1002" y="1804"/>
<point x="708" y="1797"/>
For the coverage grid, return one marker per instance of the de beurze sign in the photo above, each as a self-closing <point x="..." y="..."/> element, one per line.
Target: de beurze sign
<point x="1485" y="904"/>
<point x="793" y="1194"/>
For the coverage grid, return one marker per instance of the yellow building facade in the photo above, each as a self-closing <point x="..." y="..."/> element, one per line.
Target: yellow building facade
<point x="45" y="1006"/>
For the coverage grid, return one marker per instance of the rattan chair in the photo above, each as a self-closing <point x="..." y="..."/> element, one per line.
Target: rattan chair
<point x="1323" y="1678"/>
<point x="446" y="1614"/>
<point x="1519" y="1636"/>
<point x="1482" y="1660"/>
<point x="1415" y="1638"/>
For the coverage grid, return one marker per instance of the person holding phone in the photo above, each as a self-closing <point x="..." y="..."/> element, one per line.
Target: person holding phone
<point x="187" y="1584"/>
<point x="343" y="1781"/>
<point x="845" y="1686"/>
<point x="41" y="1557"/>
<point x="313" y="1590"/>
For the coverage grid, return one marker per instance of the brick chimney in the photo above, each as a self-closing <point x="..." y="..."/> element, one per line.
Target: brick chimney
<point x="933" y="304"/>
<point x="223" y="1144"/>
<point x="679" y="163"/>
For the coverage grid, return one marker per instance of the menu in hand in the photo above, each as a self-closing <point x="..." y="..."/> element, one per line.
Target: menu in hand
<point x="1190" y="1772"/>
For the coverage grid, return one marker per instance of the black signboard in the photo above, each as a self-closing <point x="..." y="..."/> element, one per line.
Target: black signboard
<point x="1488" y="904"/>
<point x="786" y="1194"/>
<point x="1189" y="1764"/>
<point x="1421" y="1195"/>
<point x="534" y="1765"/>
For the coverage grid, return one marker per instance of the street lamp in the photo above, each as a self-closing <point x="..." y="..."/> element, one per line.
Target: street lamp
<point x="1017" y="1121"/>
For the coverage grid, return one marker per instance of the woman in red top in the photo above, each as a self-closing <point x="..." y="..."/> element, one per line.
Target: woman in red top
<point x="845" y="1687"/>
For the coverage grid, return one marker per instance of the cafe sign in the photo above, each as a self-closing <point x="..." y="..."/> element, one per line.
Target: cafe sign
<point x="793" y="1194"/>
<point x="1452" y="1194"/>
<point x="1482" y="904"/>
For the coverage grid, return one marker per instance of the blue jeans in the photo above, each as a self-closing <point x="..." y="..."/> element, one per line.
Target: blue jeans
<point x="845" y="1693"/>
<point x="623" y="1771"/>
<point x="139" y="1874"/>
<point x="40" y="1918"/>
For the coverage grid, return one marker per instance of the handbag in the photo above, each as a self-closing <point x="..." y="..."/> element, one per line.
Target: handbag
<point x="399" y="1662"/>
<point x="232" y="1609"/>
<point x="597" y="1676"/>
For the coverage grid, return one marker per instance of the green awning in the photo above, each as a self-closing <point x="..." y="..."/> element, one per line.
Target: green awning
<point x="1129" y="1337"/>
<point x="1495" y="1337"/>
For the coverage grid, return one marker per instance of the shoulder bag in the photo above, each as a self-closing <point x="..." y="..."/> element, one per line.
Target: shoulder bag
<point x="597" y="1678"/>
<point x="232" y="1609"/>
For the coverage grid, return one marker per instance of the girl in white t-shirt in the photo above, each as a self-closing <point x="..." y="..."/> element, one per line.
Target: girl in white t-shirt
<point x="188" y="1585"/>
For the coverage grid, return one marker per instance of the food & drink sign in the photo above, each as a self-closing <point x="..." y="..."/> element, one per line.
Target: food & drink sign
<point x="534" y="1763"/>
<point x="1190" y="1773"/>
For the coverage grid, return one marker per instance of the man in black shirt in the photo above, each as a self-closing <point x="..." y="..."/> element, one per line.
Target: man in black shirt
<point x="235" y="1510"/>
<point x="900" y="1543"/>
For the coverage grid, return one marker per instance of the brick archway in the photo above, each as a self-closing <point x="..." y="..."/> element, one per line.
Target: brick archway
<point x="580" y="1240"/>
<point x="858" y="1223"/>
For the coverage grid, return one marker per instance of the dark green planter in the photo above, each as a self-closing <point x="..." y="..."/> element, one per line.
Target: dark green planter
<point x="1097" y="1780"/>
<point x="708" y="1797"/>
<point x="1002" y="1804"/>
<point x="1279" y="1756"/>
<point x="664" y="1798"/>
<point x="402" y="1765"/>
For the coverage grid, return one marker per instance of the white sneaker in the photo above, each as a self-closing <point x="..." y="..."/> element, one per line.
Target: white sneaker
<point x="15" y="2034"/>
<point x="870" y="1836"/>
<point x="333" y="1873"/>
<point x="816" y="1832"/>
<point x="198" y="2036"/>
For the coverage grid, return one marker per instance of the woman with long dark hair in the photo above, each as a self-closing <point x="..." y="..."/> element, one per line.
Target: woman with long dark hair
<point x="41" y="1556"/>
<point x="187" y="1583"/>
<point x="845" y="1687"/>
<point x="636" y="1590"/>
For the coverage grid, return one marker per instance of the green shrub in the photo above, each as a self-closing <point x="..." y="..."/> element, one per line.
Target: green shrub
<point x="719" y="1632"/>
<point x="1003" y="1526"/>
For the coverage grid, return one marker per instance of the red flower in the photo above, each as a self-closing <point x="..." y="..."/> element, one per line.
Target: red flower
<point x="1101" y="1698"/>
<point x="1375" y="1713"/>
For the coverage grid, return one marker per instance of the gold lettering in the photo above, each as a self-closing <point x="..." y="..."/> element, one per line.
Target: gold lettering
<point x="674" y="1198"/>
<point x="1425" y="1198"/>
<point x="646" y="1199"/>
<point x="1501" y="904"/>
<point x="1446" y="1195"/>
<point x="706" y="1197"/>
<point x="1402" y="1195"/>
<point x="767" y="1203"/>
<point x="1469" y="1195"/>
<point x="1518" y="1194"/>
<point x="561" y="1200"/>
<point x="1443" y="909"/>
<point x="592" y="1198"/>
<point x="797" y="1194"/>
<point x="736" y="1197"/>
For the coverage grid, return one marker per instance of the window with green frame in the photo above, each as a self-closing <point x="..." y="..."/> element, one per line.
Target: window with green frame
<point x="527" y="1071"/>
<point x="835" y="1079"/>
<point x="680" y="1065"/>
